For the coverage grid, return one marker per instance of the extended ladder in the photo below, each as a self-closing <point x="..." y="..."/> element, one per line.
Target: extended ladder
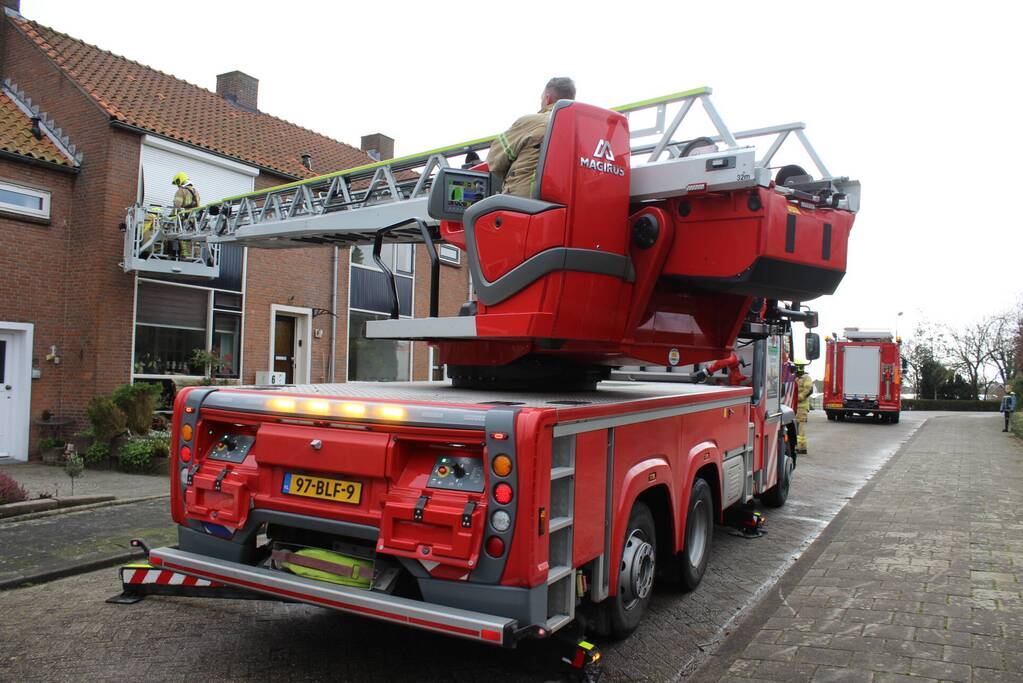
<point x="350" y="206"/>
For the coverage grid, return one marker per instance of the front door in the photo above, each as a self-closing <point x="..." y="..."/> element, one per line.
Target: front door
<point x="284" y="347"/>
<point x="10" y="394"/>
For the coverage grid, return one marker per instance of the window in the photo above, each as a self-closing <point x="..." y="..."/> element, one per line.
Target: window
<point x="375" y="360"/>
<point x="449" y="253"/>
<point x="23" y="200"/>
<point x="173" y="326"/>
<point x="398" y="257"/>
<point x="170" y="327"/>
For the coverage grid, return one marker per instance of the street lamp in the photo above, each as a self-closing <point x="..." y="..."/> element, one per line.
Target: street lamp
<point x="898" y="315"/>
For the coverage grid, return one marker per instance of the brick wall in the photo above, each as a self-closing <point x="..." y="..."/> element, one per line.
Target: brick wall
<point x="97" y="324"/>
<point x="33" y="257"/>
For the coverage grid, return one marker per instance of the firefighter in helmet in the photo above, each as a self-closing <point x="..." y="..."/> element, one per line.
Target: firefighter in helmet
<point x="804" y="387"/>
<point x="516" y="152"/>
<point x="187" y="197"/>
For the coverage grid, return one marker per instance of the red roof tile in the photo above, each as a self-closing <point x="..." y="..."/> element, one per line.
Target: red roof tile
<point x="16" y="136"/>
<point x="154" y="101"/>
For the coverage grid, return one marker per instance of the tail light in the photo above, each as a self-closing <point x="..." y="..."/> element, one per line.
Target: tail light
<point x="503" y="493"/>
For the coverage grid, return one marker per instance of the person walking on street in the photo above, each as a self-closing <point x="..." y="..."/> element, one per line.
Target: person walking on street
<point x="1008" y="407"/>
<point x="516" y="152"/>
<point x="804" y="387"/>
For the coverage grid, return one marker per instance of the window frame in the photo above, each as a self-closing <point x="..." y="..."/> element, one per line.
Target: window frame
<point x="43" y="195"/>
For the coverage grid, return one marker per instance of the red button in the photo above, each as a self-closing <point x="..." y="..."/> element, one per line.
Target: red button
<point x="442" y="471"/>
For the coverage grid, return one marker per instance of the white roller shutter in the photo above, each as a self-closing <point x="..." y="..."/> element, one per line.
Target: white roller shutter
<point x="214" y="177"/>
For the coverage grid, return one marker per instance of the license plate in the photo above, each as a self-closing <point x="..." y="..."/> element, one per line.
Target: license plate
<point x="338" y="490"/>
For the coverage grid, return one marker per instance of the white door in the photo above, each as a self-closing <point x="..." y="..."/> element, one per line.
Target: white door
<point x="15" y="376"/>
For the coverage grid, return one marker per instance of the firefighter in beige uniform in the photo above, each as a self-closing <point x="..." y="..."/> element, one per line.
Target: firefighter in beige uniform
<point x="516" y="152"/>
<point x="804" y="387"/>
<point x="186" y="197"/>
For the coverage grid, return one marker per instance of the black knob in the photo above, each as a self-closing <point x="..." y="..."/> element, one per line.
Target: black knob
<point x="229" y="441"/>
<point x="459" y="470"/>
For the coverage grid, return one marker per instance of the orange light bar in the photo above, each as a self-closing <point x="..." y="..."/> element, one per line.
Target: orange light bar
<point x="353" y="409"/>
<point x="317" y="406"/>
<point x="391" y="412"/>
<point x="283" y="404"/>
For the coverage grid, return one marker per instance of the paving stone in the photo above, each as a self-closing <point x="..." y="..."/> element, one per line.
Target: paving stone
<point x="945" y="671"/>
<point x="827" y="674"/>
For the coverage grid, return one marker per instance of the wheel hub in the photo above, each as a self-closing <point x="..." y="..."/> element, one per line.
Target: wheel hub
<point x="638" y="564"/>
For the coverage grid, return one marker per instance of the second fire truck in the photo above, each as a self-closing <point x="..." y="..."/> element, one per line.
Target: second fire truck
<point x="863" y="375"/>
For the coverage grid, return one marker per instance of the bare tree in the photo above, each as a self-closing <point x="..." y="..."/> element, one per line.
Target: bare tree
<point x="967" y="351"/>
<point x="1002" y="342"/>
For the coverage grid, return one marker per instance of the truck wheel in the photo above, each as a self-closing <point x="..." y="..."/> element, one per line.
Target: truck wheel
<point x="776" y="496"/>
<point x="840" y="417"/>
<point x="895" y="418"/>
<point x="831" y="415"/>
<point x="619" y="615"/>
<point x="699" y="533"/>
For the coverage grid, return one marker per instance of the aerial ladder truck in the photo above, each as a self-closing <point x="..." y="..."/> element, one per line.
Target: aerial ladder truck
<point x="534" y="489"/>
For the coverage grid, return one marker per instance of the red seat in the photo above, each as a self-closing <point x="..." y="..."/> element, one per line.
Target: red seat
<point x="552" y="254"/>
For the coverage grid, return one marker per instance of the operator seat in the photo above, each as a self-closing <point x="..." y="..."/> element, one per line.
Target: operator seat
<point x="563" y="251"/>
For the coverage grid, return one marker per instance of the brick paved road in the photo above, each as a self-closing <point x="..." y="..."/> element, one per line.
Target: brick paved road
<point x="64" y="631"/>
<point x="918" y="579"/>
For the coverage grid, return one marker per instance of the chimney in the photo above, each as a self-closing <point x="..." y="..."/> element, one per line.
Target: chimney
<point x="378" y="146"/>
<point x="239" y="89"/>
<point x="12" y="4"/>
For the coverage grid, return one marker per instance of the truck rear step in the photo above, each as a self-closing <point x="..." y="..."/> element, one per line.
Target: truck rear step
<point x="451" y="621"/>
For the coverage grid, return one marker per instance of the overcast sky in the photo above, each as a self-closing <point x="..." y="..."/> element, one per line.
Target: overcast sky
<point x="917" y="100"/>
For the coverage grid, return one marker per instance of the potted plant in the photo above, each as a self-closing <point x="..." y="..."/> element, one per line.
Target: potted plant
<point x="52" y="449"/>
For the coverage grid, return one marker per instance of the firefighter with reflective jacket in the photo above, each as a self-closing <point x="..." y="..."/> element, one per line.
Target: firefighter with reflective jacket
<point x="187" y="197"/>
<point x="516" y="152"/>
<point x="804" y="387"/>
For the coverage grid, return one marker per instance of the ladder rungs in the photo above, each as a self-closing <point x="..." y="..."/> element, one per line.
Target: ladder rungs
<point x="558" y="573"/>
<point x="559" y="472"/>
<point x="559" y="523"/>
<point x="557" y="621"/>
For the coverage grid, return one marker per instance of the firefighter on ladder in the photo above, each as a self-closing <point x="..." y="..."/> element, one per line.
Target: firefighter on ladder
<point x="804" y="387"/>
<point x="186" y="197"/>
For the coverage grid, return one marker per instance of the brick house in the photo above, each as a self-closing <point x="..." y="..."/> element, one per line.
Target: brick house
<point x="88" y="133"/>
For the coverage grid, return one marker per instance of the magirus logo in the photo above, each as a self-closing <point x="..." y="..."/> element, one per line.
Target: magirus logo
<point x="603" y="151"/>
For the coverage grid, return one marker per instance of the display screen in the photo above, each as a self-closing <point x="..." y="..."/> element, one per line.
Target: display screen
<point x="461" y="192"/>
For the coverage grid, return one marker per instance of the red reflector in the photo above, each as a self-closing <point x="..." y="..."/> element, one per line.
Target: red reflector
<point x="503" y="493"/>
<point x="490" y="635"/>
<point x="185" y="454"/>
<point x="495" y="546"/>
<point x="499" y="436"/>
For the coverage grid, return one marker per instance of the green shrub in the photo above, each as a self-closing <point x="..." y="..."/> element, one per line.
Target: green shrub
<point x="942" y="404"/>
<point x="97" y="452"/>
<point x="48" y="442"/>
<point x="1016" y="424"/>
<point x="107" y="419"/>
<point x="137" y="402"/>
<point x="136" y="454"/>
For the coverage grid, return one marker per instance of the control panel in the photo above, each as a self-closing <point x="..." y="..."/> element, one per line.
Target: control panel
<point x="457" y="473"/>
<point x="232" y="447"/>
<point x="454" y="191"/>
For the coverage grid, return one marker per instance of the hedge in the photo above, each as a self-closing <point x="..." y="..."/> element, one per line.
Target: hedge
<point x="1016" y="424"/>
<point x="942" y="404"/>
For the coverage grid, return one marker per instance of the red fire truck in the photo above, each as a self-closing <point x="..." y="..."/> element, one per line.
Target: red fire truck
<point x="529" y="490"/>
<point x="863" y="375"/>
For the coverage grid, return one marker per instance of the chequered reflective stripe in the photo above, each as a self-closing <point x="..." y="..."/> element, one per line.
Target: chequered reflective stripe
<point x="142" y="574"/>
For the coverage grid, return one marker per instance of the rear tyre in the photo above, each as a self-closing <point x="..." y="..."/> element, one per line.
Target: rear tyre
<point x="776" y="496"/>
<point x="831" y="415"/>
<point x="895" y="418"/>
<point x="699" y="534"/>
<point x="840" y="417"/>
<point x="619" y="615"/>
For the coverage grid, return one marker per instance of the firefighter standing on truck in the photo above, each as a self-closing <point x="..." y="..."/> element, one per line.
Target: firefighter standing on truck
<point x="804" y="387"/>
<point x="516" y="152"/>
